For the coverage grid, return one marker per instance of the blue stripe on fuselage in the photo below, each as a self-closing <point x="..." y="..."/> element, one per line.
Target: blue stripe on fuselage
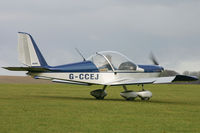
<point x="85" y="66"/>
<point x="151" y="68"/>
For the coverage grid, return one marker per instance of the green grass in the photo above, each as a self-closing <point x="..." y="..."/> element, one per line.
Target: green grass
<point x="59" y="108"/>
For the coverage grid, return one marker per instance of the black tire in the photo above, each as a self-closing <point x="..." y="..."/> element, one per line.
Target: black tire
<point x="130" y="99"/>
<point x="99" y="98"/>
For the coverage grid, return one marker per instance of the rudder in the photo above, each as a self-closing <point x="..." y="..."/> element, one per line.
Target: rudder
<point x="29" y="53"/>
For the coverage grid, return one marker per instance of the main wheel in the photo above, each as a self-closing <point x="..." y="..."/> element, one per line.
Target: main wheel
<point x="99" y="94"/>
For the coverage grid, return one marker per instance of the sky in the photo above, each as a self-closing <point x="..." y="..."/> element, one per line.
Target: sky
<point x="170" y="29"/>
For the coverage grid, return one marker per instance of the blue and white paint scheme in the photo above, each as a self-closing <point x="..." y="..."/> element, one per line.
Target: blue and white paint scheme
<point x="107" y="68"/>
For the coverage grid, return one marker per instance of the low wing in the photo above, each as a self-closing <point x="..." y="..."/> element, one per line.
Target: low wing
<point x="69" y="82"/>
<point x="156" y="80"/>
<point x="62" y="81"/>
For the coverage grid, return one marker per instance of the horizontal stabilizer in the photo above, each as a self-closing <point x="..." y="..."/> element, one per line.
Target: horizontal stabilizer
<point x="30" y="69"/>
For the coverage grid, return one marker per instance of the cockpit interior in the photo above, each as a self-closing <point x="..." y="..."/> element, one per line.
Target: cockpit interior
<point x="112" y="61"/>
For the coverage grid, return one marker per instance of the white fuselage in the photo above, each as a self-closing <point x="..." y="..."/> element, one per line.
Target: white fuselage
<point x="94" y="77"/>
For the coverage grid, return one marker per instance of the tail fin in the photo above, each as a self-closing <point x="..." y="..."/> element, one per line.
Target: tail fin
<point x="29" y="53"/>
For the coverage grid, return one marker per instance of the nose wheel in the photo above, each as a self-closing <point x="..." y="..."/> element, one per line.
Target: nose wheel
<point x="145" y="95"/>
<point x="128" y="94"/>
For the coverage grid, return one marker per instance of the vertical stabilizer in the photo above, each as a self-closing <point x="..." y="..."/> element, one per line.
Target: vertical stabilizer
<point x="29" y="53"/>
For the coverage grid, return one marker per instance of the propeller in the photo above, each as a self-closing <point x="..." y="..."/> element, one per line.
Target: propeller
<point x="153" y="59"/>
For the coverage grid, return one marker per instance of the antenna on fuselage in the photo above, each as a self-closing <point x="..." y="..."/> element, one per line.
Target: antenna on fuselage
<point x="80" y="54"/>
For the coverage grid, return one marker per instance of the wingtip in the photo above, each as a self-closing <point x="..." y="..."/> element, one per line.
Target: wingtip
<point x="195" y="78"/>
<point x="185" y="78"/>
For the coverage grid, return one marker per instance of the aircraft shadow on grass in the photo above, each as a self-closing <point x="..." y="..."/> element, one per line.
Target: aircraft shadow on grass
<point x="76" y="98"/>
<point x="120" y="100"/>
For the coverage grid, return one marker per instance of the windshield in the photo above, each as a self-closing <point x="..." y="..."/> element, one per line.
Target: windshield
<point x="112" y="61"/>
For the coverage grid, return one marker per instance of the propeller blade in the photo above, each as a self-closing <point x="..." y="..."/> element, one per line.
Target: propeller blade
<point x="153" y="59"/>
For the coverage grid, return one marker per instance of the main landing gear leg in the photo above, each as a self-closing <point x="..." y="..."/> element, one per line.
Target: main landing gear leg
<point x="99" y="93"/>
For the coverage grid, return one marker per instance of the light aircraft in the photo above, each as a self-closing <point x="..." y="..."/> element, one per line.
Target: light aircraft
<point x="107" y="68"/>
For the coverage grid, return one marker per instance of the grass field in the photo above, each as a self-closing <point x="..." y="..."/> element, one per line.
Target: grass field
<point x="58" y="108"/>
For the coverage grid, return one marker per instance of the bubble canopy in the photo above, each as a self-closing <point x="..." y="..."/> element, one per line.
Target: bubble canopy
<point x="112" y="61"/>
